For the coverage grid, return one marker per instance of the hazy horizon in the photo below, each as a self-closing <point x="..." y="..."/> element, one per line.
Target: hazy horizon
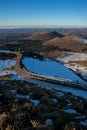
<point x="40" y="26"/>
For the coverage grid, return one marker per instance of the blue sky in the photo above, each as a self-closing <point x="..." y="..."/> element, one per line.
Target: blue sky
<point x="43" y="12"/>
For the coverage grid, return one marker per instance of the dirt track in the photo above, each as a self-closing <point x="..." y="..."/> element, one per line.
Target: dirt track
<point x="20" y="71"/>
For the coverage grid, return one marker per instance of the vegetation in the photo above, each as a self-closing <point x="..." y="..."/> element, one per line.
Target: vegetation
<point x="5" y="56"/>
<point x="24" y="106"/>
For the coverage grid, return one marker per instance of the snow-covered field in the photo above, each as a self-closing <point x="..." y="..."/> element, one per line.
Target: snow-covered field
<point x="4" y="64"/>
<point x="53" y="87"/>
<point x="74" y="57"/>
<point x="6" y="72"/>
<point x="80" y="39"/>
<point x="7" y="63"/>
<point x="78" y="68"/>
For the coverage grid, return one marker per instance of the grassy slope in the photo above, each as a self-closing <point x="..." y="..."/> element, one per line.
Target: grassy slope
<point x="67" y="43"/>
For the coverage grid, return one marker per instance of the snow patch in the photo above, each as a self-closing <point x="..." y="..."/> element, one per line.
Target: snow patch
<point x="4" y="51"/>
<point x="80" y="39"/>
<point x="6" y="63"/>
<point x="73" y="57"/>
<point x="54" y="100"/>
<point x="60" y="93"/>
<point x="16" y="77"/>
<point x="84" y="123"/>
<point x="13" y="91"/>
<point x="6" y="72"/>
<point x="49" y="122"/>
<point x="71" y="111"/>
<point x="35" y="102"/>
<point x="80" y="117"/>
<point x="79" y="69"/>
<point x="23" y="96"/>
<point x="69" y="102"/>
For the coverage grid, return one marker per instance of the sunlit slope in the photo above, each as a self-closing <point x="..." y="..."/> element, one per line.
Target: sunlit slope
<point x="69" y="43"/>
<point x="45" y="36"/>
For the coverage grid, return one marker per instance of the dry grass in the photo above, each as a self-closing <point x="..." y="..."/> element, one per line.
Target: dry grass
<point x="52" y="54"/>
<point x="45" y="36"/>
<point x="83" y="63"/>
<point x="67" y="43"/>
<point x="19" y="113"/>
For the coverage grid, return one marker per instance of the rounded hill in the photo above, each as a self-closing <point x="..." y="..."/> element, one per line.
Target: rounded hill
<point x="45" y="36"/>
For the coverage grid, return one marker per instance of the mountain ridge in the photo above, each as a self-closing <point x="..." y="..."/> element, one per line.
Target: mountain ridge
<point x="45" y="36"/>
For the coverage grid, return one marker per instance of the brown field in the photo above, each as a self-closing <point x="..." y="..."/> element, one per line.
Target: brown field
<point x="67" y="44"/>
<point x="82" y="63"/>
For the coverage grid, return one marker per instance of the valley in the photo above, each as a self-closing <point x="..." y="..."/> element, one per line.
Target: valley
<point x="37" y="68"/>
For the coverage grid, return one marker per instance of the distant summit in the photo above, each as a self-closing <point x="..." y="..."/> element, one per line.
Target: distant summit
<point x="56" y="34"/>
<point x="45" y="36"/>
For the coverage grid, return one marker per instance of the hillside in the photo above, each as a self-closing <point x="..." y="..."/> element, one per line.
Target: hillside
<point x="45" y="36"/>
<point x="69" y="43"/>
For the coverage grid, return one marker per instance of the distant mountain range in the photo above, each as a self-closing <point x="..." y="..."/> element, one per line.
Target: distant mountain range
<point x="45" y="41"/>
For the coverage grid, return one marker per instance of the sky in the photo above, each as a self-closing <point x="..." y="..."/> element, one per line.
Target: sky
<point x="33" y="13"/>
